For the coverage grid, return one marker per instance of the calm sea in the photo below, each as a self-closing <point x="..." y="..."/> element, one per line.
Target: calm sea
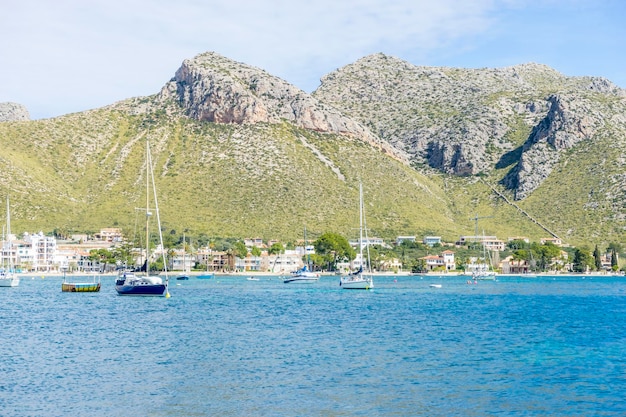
<point x="232" y="347"/>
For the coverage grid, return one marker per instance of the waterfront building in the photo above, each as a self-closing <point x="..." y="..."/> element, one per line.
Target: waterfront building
<point x="401" y="239"/>
<point x="370" y="241"/>
<point x="492" y="243"/>
<point x="432" y="240"/>
<point x="444" y="260"/>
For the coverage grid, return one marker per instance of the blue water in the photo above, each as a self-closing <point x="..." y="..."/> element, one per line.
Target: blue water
<point x="232" y="347"/>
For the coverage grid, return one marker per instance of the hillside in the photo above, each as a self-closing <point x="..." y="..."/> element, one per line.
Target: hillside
<point x="241" y="153"/>
<point x="550" y="143"/>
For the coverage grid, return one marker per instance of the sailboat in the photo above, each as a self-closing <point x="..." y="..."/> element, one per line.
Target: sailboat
<point x="8" y="277"/>
<point x="303" y="275"/>
<point x="483" y="270"/>
<point x="185" y="275"/>
<point x="129" y="283"/>
<point x="362" y="278"/>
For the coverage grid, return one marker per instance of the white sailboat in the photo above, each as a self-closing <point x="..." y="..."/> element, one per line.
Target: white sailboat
<point x="362" y="278"/>
<point x="8" y="277"/>
<point x="303" y="275"/>
<point x="184" y="276"/>
<point x="129" y="283"/>
<point x="484" y="270"/>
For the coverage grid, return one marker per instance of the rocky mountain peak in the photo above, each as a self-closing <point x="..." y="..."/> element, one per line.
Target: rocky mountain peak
<point x="470" y="121"/>
<point x="13" y="112"/>
<point x="213" y="88"/>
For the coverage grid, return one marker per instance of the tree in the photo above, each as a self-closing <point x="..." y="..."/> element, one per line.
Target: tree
<point x="276" y="249"/>
<point x="240" y="250"/>
<point x="614" y="264"/>
<point x="255" y="251"/>
<point x="331" y="247"/>
<point x="613" y="246"/>
<point x="582" y="259"/>
<point x="597" y="259"/>
<point x="419" y="266"/>
<point x="517" y="244"/>
<point x="546" y="253"/>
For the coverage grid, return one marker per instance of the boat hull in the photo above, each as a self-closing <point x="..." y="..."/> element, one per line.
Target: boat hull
<point x="80" y="287"/>
<point x="356" y="283"/>
<point x="9" y="282"/>
<point x="129" y="284"/>
<point x="205" y="276"/>
<point x="484" y="276"/>
<point x="147" y="290"/>
<point x="301" y="280"/>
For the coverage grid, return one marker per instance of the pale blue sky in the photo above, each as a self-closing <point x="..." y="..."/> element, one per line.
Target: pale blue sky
<point x="65" y="56"/>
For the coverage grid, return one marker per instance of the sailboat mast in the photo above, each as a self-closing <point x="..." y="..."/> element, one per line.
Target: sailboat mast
<point x="361" y="222"/>
<point x="148" y="164"/>
<point x="308" y="257"/>
<point x="10" y="242"/>
<point x="8" y="220"/>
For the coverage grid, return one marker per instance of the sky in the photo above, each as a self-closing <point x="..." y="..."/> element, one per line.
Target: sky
<point x="66" y="56"/>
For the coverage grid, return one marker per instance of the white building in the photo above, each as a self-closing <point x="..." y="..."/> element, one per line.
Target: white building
<point x="43" y="251"/>
<point x="370" y="241"/>
<point x="491" y="243"/>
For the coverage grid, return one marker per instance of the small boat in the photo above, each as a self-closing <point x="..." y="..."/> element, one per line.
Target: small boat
<point x="361" y="279"/>
<point x="205" y="276"/>
<point x="303" y="275"/>
<point x="8" y="277"/>
<point x="252" y="279"/>
<point x="185" y="275"/>
<point x="68" y="286"/>
<point x="435" y="285"/>
<point x="127" y="282"/>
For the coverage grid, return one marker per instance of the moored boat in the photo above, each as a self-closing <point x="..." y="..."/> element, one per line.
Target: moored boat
<point x="303" y="275"/>
<point x="362" y="278"/>
<point x="80" y="287"/>
<point x="8" y="277"/>
<point x="69" y="286"/>
<point x="128" y="283"/>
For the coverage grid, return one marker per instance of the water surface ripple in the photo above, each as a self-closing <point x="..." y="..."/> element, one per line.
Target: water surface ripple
<point x="232" y="347"/>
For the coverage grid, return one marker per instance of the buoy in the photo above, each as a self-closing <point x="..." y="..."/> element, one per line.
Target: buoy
<point x="167" y="294"/>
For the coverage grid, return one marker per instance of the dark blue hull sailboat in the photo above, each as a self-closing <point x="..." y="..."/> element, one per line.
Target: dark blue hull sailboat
<point x="127" y="282"/>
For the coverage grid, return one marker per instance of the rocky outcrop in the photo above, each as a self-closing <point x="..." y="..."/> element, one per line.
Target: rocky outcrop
<point x="470" y="121"/>
<point x="212" y="88"/>
<point x="569" y="121"/>
<point x="13" y="112"/>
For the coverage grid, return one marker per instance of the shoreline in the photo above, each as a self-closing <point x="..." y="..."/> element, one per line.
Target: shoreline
<point x="322" y="274"/>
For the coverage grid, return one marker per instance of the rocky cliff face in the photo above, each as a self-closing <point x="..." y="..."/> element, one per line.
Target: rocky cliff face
<point x="467" y="122"/>
<point x="13" y="112"/>
<point x="569" y="121"/>
<point x="212" y="88"/>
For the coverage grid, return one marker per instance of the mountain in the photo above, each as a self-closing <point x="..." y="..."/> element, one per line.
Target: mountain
<point x="13" y="112"/>
<point x="239" y="152"/>
<point x="551" y="142"/>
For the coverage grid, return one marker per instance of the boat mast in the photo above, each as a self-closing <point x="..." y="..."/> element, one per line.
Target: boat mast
<point x="148" y="213"/>
<point x="308" y="258"/>
<point x="361" y="223"/>
<point x="9" y="241"/>
<point x="158" y="219"/>
<point x="369" y="266"/>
